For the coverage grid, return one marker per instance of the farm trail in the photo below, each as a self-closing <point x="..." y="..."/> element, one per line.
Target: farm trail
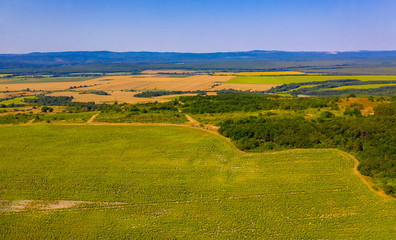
<point x="192" y="120"/>
<point x="30" y="122"/>
<point x="92" y="118"/>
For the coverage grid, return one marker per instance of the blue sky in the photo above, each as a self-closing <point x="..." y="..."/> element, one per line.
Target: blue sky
<point x="196" y="26"/>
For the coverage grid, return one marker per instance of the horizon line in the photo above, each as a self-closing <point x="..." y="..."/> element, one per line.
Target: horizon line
<point x="143" y="51"/>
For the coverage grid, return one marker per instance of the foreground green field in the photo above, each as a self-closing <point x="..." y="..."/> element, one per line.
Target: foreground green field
<point x="297" y="79"/>
<point x="179" y="183"/>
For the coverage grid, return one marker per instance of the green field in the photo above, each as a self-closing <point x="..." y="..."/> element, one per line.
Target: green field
<point x="45" y="79"/>
<point x="297" y="79"/>
<point x="19" y="100"/>
<point x="365" y="86"/>
<point x="179" y="183"/>
<point x="64" y="117"/>
<point x="149" y="117"/>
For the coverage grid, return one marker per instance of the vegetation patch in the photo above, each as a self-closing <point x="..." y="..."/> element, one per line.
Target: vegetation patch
<point x="80" y="117"/>
<point x="366" y="86"/>
<point x="370" y="138"/>
<point x="280" y="73"/>
<point x="96" y="92"/>
<point x="179" y="182"/>
<point x="301" y="79"/>
<point x="141" y="113"/>
<point x="157" y="93"/>
<point x="337" y="87"/>
<point x="22" y="80"/>
<point x="15" y="102"/>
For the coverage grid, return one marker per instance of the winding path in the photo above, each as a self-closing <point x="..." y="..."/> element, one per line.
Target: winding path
<point x="92" y="118"/>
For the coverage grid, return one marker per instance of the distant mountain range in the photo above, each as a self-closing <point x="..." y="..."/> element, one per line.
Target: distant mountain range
<point x="33" y="60"/>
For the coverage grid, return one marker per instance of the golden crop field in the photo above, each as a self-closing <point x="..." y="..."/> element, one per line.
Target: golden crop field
<point x="114" y="84"/>
<point x="245" y="87"/>
<point x="115" y="96"/>
<point x="166" y="71"/>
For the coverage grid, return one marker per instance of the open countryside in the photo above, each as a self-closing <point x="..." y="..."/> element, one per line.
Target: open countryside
<point x="146" y="190"/>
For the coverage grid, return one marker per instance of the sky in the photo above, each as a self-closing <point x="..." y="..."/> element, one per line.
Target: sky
<point x="196" y="25"/>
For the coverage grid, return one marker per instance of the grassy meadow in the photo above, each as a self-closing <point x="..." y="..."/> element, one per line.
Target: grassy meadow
<point x="179" y="183"/>
<point x="149" y="117"/>
<point x="297" y="79"/>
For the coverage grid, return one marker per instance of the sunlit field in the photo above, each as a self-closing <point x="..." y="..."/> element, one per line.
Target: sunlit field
<point x="168" y="182"/>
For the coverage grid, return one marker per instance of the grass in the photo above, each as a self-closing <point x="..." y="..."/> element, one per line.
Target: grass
<point x="64" y="117"/>
<point x="19" y="100"/>
<point x="15" y="118"/>
<point x="297" y="79"/>
<point x="138" y="117"/>
<point x="284" y="95"/>
<point x="45" y="80"/>
<point x="260" y="73"/>
<point x="216" y="118"/>
<point x="180" y="183"/>
<point x="365" y="86"/>
<point x="46" y="118"/>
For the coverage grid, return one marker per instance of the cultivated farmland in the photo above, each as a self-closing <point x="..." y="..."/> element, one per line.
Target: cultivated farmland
<point x="297" y="79"/>
<point x="112" y="182"/>
<point x="278" y="73"/>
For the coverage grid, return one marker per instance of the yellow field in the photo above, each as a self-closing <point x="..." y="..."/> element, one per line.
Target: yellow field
<point x="166" y="71"/>
<point x="116" y="96"/>
<point x="244" y="87"/>
<point x="114" y="84"/>
<point x="198" y="82"/>
<point x="260" y="73"/>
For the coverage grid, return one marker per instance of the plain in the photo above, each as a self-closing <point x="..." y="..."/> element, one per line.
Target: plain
<point x="178" y="182"/>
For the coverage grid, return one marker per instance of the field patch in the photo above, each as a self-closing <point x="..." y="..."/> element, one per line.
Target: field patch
<point x="179" y="182"/>
<point x="245" y="87"/>
<point x="167" y="71"/>
<point x="19" y="100"/>
<point x="27" y="80"/>
<point x="280" y="73"/>
<point x="115" y="96"/>
<point x="366" y="86"/>
<point x="297" y="79"/>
